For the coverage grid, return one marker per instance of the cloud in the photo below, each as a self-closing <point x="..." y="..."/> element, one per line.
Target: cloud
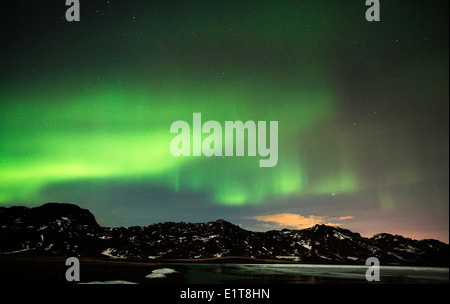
<point x="298" y="221"/>
<point x="348" y="217"/>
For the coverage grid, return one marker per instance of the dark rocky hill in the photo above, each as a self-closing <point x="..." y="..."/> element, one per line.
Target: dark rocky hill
<point x="66" y="229"/>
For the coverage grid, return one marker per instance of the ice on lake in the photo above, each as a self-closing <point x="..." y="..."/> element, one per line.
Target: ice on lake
<point x="310" y="273"/>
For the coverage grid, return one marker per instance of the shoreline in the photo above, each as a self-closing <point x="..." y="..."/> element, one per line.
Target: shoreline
<point x="214" y="260"/>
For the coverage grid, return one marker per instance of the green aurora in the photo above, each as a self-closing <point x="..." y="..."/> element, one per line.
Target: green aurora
<point x="115" y="134"/>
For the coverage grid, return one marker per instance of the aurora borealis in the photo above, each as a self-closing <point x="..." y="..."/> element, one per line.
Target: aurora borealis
<point x="362" y="110"/>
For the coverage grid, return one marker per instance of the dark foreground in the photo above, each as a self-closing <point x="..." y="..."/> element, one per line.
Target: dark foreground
<point x="50" y="270"/>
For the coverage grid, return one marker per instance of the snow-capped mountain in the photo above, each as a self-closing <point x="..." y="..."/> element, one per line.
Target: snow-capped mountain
<point x="66" y="229"/>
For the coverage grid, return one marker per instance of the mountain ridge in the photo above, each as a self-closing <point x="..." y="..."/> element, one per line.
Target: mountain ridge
<point x="67" y="229"/>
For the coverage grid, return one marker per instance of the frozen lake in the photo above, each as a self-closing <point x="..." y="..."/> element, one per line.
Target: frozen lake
<point x="308" y="274"/>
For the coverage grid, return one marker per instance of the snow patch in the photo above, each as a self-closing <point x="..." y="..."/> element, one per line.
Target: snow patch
<point x="160" y="273"/>
<point x="42" y="228"/>
<point x="288" y="257"/>
<point x="17" y="251"/>
<point x="112" y="253"/>
<point x="49" y="247"/>
<point x="340" y="235"/>
<point x="323" y="257"/>
<point x="307" y="246"/>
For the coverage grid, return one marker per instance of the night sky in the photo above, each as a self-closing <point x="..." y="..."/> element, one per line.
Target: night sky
<point x="362" y="110"/>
